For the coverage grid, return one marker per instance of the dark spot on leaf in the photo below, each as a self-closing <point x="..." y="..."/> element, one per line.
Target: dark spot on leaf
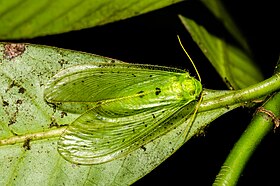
<point x="5" y="103"/>
<point x="21" y="90"/>
<point x="53" y="124"/>
<point x="153" y="116"/>
<point x="62" y="62"/>
<point x="13" y="119"/>
<point x="19" y="101"/>
<point x="143" y="147"/>
<point x="133" y="75"/>
<point x="62" y="114"/>
<point x="158" y="91"/>
<point x="26" y="144"/>
<point x="151" y="75"/>
<point x="13" y="50"/>
<point x="112" y="61"/>
<point x="54" y="106"/>
<point x="13" y="84"/>
<point x="82" y="81"/>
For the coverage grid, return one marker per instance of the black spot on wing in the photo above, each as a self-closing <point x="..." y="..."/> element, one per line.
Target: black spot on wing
<point x="141" y="93"/>
<point x="158" y="91"/>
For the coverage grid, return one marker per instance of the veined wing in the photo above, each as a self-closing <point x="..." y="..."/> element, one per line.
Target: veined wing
<point x="124" y="106"/>
<point x="105" y="133"/>
<point x="80" y="88"/>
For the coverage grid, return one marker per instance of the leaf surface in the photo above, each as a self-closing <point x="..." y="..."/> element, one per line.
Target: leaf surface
<point x="31" y="18"/>
<point x="29" y="127"/>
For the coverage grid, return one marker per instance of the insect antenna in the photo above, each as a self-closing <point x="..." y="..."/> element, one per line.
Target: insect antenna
<point x="199" y="78"/>
<point x="192" y="118"/>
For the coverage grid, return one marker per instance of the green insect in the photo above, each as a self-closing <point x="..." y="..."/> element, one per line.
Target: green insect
<point x="123" y="107"/>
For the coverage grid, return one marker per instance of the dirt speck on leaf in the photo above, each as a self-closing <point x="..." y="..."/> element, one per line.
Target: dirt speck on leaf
<point x="13" y="119"/>
<point x="62" y="62"/>
<point x="5" y="103"/>
<point x="62" y="114"/>
<point x="21" y="90"/>
<point x="19" y="102"/>
<point x="26" y="144"/>
<point x="13" y="50"/>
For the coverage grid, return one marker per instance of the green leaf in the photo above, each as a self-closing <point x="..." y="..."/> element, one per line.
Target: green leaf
<point x="31" y="18"/>
<point x="29" y="127"/>
<point x="234" y="66"/>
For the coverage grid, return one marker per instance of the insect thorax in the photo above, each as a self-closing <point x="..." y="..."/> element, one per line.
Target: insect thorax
<point x="191" y="87"/>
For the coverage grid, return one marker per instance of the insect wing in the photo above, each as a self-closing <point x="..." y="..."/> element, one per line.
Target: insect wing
<point x="79" y="88"/>
<point x="124" y="106"/>
<point x="106" y="133"/>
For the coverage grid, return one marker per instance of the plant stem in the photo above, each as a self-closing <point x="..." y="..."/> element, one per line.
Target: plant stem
<point x="259" y="127"/>
<point x="255" y="91"/>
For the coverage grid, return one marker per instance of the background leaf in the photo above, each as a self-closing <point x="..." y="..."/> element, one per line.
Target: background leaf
<point x="28" y="19"/>
<point x="24" y="112"/>
<point x="234" y="66"/>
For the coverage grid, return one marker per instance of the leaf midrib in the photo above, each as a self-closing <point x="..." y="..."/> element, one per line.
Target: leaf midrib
<point x="33" y="136"/>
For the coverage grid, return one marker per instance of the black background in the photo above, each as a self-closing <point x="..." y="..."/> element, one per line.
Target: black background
<point x="151" y="39"/>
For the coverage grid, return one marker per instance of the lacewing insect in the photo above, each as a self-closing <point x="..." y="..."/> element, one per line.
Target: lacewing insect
<point x="123" y="107"/>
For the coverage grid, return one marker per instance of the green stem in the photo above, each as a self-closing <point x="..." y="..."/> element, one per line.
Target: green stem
<point x="259" y="127"/>
<point x="255" y="91"/>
